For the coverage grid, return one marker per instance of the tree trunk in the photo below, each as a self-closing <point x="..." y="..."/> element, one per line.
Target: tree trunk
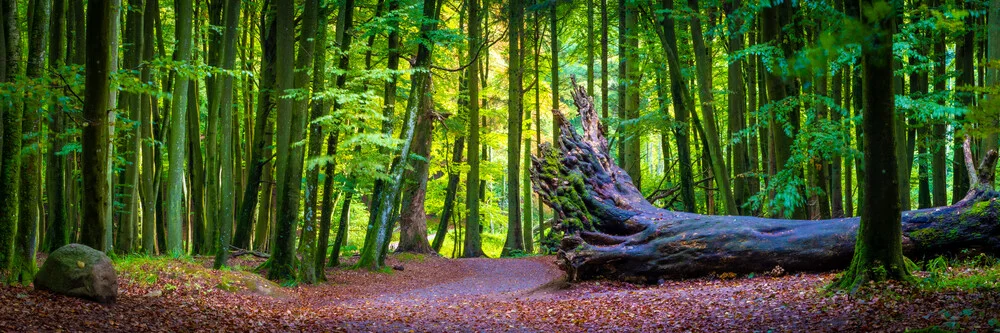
<point x="12" y="123"/>
<point x="515" y="238"/>
<point x="413" y="218"/>
<point x="738" y="112"/>
<point x="147" y="179"/>
<point x="964" y="65"/>
<point x="57" y="226"/>
<point x="668" y="40"/>
<point x="23" y="270"/>
<point x="95" y="134"/>
<point x="260" y="155"/>
<point x="472" y="245"/>
<point x="611" y="231"/>
<point x="231" y="16"/>
<point x="878" y="253"/>
<point x="629" y="136"/>
<point x="178" y="132"/>
<point x="283" y="251"/>
<point x="554" y="49"/>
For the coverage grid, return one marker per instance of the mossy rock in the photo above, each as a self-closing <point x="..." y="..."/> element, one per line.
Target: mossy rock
<point x="77" y="270"/>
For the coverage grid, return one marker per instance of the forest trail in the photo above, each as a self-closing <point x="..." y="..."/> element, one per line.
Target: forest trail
<point x="433" y="294"/>
<point x="494" y="278"/>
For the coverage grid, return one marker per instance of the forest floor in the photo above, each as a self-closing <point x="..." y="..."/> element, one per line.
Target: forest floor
<point x="521" y="295"/>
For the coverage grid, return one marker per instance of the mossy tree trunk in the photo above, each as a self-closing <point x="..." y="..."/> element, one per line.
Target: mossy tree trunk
<point x="878" y="253"/>
<point x="611" y="231"/>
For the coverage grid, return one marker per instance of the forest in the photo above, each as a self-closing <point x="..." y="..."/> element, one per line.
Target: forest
<point x="497" y="165"/>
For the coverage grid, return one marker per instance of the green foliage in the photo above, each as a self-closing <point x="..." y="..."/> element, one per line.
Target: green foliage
<point x="981" y="272"/>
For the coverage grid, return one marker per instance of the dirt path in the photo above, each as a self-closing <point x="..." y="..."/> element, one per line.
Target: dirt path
<point x="494" y="278"/>
<point x="434" y="294"/>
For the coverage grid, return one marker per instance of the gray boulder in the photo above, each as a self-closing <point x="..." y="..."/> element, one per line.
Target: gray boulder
<point x="79" y="271"/>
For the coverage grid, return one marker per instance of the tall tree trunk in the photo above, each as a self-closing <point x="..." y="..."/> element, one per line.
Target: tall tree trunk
<point x="515" y="237"/>
<point x="200" y="240"/>
<point x="668" y="40"/>
<point x="57" y="225"/>
<point x="10" y="164"/>
<point x="472" y="245"/>
<point x="590" y="46"/>
<point x="178" y="132"/>
<point x="554" y="49"/>
<point x="992" y="73"/>
<point x="604" y="64"/>
<point x="24" y="267"/>
<point x="453" y="176"/>
<point x="130" y="183"/>
<point x="738" y="111"/>
<point x="964" y="64"/>
<point x="319" y="108"/>
<point x="114" y="29"/>
<point x="95" y="134"/>
<point x="214" y="45"/>
<point x="231" y="16"/>
<point x="147" y="179"/>
<point x="375" y="228"/>
<point x="879" y="241"/>
<point x="630" y="136"/>
<point x="260" y="156"/>
<point x="714" y="148"/>
<point x="304" y="62"/>
<point x="939" y="156"/>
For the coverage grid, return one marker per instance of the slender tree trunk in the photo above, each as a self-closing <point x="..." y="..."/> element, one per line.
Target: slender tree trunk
<point x="737" y="112"/>
<point x="453" y="178"/>
<point x="319" y="108"/>
<point x="630" y="137"/>
<point x="24" y="267"/>
<point x="668" y="40"/>
<point x="590" y="46"/>
<point x="130" y="183"/>
<point x="57" y="225"/>
<point x="147" y="180"/>
<point x="260" y="155"/>
<point x="178" y="132"/>
<point x="10" y="164"/>
<point x="515" y="237"/>
<point x="472" y="242"/>
<point x="554" y="48"/>
<point x="992" y="73"/>
<point x="304" y="62"/>
<point x="939" y="156"/>
<point x="231" y="16"/>
<point x="197" y="208"/>
<point x="714" y="148"/>
<point x="604" y="65"/>
<point x="964" y="64"/>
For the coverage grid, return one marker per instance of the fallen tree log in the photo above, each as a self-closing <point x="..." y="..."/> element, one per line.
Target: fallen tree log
<point x="611" y="231"/>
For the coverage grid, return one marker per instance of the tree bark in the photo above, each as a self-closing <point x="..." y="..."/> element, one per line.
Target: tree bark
<point x="283" y="251"/>
<point x="515" y="238"/>
<point x="260" y="155"/>
<point x="668" y="40"/>
<point x="57" y="226"/>
<point x="95" y="134"/>
<point x="413" y="218"/>
<point x="227" y="191"/>
<point x="472" y="245"/>
<point x="149" y="165"/>
<point x="611" y="231"/>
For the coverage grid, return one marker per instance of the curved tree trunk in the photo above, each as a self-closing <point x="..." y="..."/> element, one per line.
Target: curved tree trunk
<point x="611" y="231"/>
